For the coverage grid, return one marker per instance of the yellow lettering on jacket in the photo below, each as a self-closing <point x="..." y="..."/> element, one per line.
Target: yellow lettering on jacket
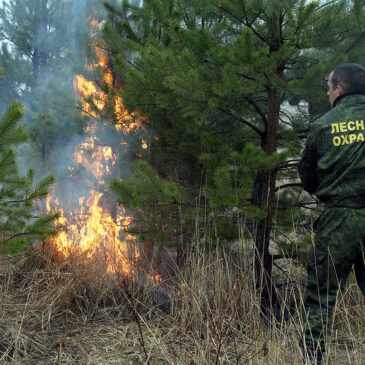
<point x="335" y="128"/>
<point x="345" y="139"/>
<point x="352" y="137"/>
<point x="360" y="125"/>
<point x="343" y="127"/>
<point x="351" y="126"/>
<point x="336" y="141"/>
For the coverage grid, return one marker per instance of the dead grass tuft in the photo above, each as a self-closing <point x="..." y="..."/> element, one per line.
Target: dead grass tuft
<point x="74" y="313"/>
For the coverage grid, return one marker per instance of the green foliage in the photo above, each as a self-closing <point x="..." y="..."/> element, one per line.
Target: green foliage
<point x="17" y="75"/>
<point x="20" y="226"/>
<point x="145" y="188"/>
<point x="210" y="77"/>
<point x="153" y="198"/>
<point x="36" y="28"/>
<point x="38" y="56"/>
<point x="233" y="180"/>
<point x="298" y="248"/>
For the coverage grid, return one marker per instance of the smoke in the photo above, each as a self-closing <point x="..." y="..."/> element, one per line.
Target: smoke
<point x="53" y="116"/>
<point x="57" y="126"/>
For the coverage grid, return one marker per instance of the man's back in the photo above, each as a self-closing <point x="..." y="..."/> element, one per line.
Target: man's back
<point x="333" y="167"/>
<point x="333" y="164"/>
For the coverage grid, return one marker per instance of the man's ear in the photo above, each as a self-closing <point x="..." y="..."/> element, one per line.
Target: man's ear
<point x="339" y="90"/>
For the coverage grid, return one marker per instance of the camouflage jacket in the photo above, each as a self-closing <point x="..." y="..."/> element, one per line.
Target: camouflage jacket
<point x="333" y="163"/>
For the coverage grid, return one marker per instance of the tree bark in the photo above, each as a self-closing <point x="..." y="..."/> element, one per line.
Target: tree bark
<point x="263" y="197"/>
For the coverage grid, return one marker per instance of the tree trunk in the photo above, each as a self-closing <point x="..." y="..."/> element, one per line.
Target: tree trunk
<point x="263" y="197"/>
<point x="148" y="251"/>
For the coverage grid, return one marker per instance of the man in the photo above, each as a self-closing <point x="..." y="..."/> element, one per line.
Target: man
<point x="333" y="168"/>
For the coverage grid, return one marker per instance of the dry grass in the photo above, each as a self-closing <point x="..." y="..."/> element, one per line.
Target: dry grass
<point x="75" y="314"/>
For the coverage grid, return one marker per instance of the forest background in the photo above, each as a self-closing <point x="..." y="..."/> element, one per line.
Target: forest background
<point x="223" y="92"/>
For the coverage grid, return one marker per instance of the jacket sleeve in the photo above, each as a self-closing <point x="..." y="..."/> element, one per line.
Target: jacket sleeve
<point x="308" y="165"/>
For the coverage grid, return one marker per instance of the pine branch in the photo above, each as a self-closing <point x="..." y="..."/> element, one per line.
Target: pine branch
<point x="249" y="24"/>
<point x="13" y="113"/>
<point x="244" y="121"/>
<point x="288" y="186"/>
<point x="258" y="109"/>
<point x="246" y="76"/>
<point x="287" y="168"/>
<point x="286" y="123"/>
<point x="86" y="112"/>
<point x="354" y="43"/>
<point x="305" y="205"/>
<point x="18" y="235"/>
<point x="13" y="201"/>
<point x="290" y="163"/>
<point x="326" y="4"/>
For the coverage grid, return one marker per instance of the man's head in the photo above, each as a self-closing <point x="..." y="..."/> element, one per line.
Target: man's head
<point x="346" y="79"/>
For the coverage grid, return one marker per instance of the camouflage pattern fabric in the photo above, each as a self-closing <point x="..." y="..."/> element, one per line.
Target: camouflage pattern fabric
<point x="333" y="167"/>
<point x="333" y="163"/>
<point x="339" y="237"/>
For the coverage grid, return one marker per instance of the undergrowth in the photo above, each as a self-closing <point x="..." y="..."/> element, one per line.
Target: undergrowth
<point x="205" y="313"/>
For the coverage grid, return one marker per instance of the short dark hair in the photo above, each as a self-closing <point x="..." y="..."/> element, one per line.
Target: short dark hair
<point x="351" y="77"/>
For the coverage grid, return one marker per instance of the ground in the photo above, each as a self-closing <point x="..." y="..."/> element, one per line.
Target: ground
<point x="51" y="314"/>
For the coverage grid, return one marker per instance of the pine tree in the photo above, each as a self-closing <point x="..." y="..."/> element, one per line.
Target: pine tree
<point x="211" y="76"/>
<point x="21" y="223"/>
<point x="36" y="28"/>
<point x="38" y="56"/>
<point x="155" y="202"/>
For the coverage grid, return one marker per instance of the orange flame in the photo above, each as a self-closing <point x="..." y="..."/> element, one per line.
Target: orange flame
<point x="93" y="233"/>
<point x="91" y="229"/>
<point x="87" y="89"/>
<point x="94" y="158"/>
<point x="94" y="23"/>
<point x="124" y="121"/>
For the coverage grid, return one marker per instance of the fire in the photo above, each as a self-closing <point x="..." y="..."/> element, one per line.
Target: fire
<point x="87" y="89"/>
<point x="144" y="144"/>
<point x="94" y="23"/>
<point x="95" y="158"/>
<point x="94" y="228"/>
<point x="91" y="231"/>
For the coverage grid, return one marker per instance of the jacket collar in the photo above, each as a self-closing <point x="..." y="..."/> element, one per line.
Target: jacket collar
<point x="341" y="97"/>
